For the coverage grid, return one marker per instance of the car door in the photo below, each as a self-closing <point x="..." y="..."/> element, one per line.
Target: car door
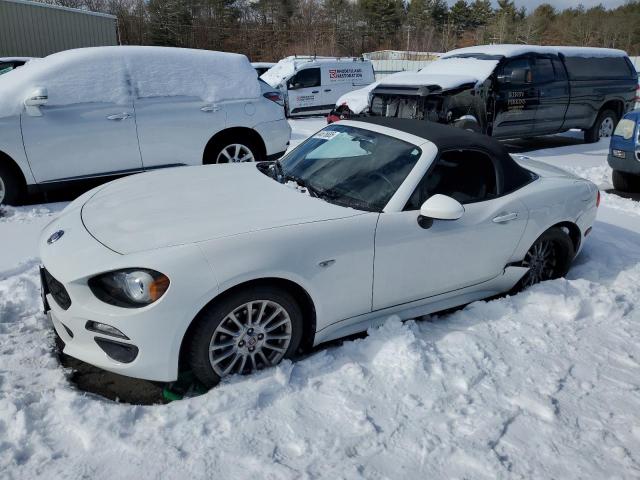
<point x="304" y="92"/>
<point x="86" y="126"/>
<point x="516" y="99"/>
<point x="174" y="124"/>
<point x="413" y="263"/>
<point x="550" y="79"/>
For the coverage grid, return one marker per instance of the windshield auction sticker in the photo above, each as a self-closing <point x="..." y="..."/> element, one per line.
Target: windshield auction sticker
<point x="325" y="134"/>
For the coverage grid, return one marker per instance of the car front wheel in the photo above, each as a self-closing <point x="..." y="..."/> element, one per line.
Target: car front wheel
<point x="9" y="187"/>
<point x="548" y="258"/>
<point x="247" y="331"/>
<point x="604" y="127"/>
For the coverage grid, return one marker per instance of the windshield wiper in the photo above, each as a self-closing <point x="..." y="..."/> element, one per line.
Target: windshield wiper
<point x="314" y="192"/>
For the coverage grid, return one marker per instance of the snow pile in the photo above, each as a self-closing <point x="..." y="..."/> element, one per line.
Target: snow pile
<point x="98" y="75"/>
<point x="543" y="384"/>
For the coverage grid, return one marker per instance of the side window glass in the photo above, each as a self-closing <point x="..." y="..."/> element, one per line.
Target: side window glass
<point x="307" y="78"/>
<point x="543" y="70"/>
<point x="469" y="176"/>
<point x="516" y="72"/>
<point x="561" y="73"/>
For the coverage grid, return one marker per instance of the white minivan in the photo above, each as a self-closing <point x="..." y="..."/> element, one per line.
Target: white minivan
<point x="105" y="112"/>
<point x="312" y="85"/>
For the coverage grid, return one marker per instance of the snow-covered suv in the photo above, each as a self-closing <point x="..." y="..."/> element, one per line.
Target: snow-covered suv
<point x="110" y="111"/>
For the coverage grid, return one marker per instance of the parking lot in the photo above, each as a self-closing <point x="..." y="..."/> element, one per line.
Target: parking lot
<point x="544" y="381"/>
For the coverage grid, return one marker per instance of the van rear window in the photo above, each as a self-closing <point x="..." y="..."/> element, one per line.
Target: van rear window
<point x="582" y="68"/>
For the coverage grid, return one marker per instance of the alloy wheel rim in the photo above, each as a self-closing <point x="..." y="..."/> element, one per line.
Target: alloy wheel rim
<point x="541" y="261"/>
<point x="2" y="191"/>
<point x="606" y="127"/>
<point x="252" y="336"/>
<point x="235" y="153"/>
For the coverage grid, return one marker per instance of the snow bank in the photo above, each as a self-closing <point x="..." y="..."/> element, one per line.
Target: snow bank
<point x="507" y="50"/>
<point x="99" y="75"/>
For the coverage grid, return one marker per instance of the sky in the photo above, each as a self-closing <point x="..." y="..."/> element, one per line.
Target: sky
<point x="561" y="4"/>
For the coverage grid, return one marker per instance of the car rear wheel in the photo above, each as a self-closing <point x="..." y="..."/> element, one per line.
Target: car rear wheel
<point x="10" y="186"/>
<point x="247" y="331"/>
<point x="548" y="258"/>
<point x="625" y="182"/>
<point x="603" y="127"/>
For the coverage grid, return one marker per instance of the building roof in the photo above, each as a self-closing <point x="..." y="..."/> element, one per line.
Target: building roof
<point x="58" y="7"/>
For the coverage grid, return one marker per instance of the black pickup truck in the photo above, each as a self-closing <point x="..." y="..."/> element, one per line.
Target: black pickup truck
<point x="512" y="91"/>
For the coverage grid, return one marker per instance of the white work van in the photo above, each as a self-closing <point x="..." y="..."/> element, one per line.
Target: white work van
<point x="311" y="85"/>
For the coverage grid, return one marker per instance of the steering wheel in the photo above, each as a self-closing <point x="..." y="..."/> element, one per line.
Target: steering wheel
<point x="384" y="177"/>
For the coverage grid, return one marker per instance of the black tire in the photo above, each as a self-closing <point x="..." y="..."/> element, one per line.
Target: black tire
<point x="556" y="266"/>
<point x="592" y="135"/>
<point x="11" y="187"/>
<point x="213" y="316"/>
<point x="468" y="125"/>
<point x="213" y="152"/>
<point x="625" y="182"/>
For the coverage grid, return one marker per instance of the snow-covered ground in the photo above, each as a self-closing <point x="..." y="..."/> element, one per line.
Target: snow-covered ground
<point x="545" y="384"/>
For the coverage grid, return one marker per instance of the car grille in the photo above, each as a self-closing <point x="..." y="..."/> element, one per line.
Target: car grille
<point x="57" y="290"/>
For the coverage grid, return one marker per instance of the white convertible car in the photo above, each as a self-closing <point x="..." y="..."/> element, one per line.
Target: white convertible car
<point x="249" y="263"/>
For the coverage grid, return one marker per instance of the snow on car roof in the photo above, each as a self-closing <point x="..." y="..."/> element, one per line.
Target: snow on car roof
<point x="97" y="75"/>
<point x="287" y="67"/>
<point x="507" y="50"/>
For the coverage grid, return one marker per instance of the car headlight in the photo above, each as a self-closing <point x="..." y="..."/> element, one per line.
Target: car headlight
<point x="130" y="288"/>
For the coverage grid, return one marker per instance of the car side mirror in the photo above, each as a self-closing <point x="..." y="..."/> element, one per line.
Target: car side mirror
<point x="439" y="207"/>
<point x="37" y="99"/>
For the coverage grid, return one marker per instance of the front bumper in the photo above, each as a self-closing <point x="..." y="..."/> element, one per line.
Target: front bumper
<point x="154" y="333"/>
<point x="630" y="164"/>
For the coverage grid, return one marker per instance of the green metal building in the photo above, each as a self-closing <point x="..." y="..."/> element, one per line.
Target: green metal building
<point x="31" y="29"/>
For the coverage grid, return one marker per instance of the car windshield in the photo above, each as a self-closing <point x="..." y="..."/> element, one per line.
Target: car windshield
<point x="349" y="166"/>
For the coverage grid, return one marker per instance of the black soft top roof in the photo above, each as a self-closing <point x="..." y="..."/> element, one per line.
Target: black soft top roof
<point x="446" y="137"/>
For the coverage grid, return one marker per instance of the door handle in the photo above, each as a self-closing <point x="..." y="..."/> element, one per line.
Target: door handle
<point x="506" y="217"/>
<point x="327" y="89"/>
<point x="315" y="91"/>
<point x="210" y="108"/>
<point x="119" y="116"/>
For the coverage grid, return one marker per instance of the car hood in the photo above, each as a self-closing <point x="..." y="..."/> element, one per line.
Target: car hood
<point x="191" y="204"/>
<point x="444" y="82"/>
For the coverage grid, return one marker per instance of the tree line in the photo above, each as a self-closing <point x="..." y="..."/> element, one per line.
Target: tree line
<point x="267" y="30"/>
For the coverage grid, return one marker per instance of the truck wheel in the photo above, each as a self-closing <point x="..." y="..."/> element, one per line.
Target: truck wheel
<point x="10" y="186"/>
<point x="625" y="182"/>
<point x="603" y="127"/>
